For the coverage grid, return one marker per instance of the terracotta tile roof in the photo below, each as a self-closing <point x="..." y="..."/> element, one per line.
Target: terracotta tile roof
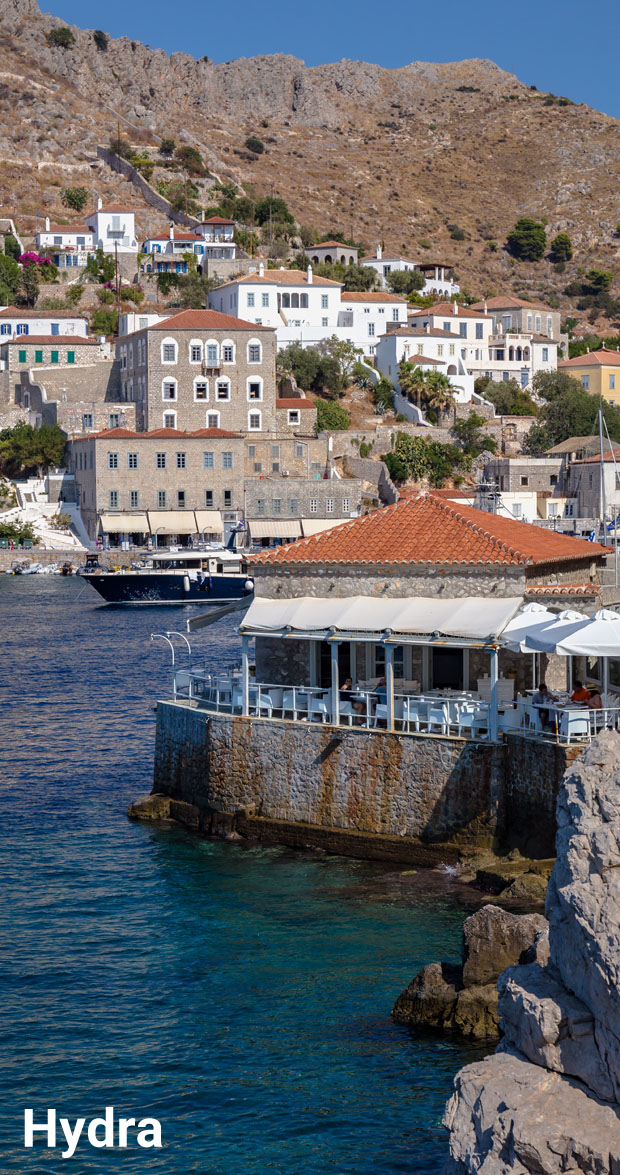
<point x="110" y="208"/>
<point x="67" y="340"/>
<point x="330" y="245"/>
<point x="21" y="312"/>
<point x="509" y="302"/>
<point x="600" y="358"/>
<point x="446" y="308"/>
<point x="281" y="277"/>
<point x="207" y="320"/>
<point x="419" y="332"/>
<point x="370" y="296"/>
<point x="155" y="434"/>
<point x="217" y="220"/>
<point x="559" y="590"/>
<point x="610" y="455"/>
<point x="292" y="402"/>
<point x="65" y="228"/>
<point x="419" y="360"/>
<point x="427" y="530"/>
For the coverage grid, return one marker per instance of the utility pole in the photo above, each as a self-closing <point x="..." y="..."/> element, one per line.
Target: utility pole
<point x="117" y="279"/>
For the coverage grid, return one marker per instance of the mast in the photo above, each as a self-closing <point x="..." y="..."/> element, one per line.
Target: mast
<point x="602" y="476"/>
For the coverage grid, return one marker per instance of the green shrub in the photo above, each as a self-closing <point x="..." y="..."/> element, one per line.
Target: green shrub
<point x="74" y="198"/>
<point x="561" y="248"/>
<point x="191" y="160"/>
<point x="167" y="147"/>
<point x="25" y="450"/>
<point x="255" y="145"/>
<point x="331" y="416"/>
<point x="105" y="322"/>
<point x="11" y="247"/>
<point x="60" y="38"/>
<point x="527" y="240"/>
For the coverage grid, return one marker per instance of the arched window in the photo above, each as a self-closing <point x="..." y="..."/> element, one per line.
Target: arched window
<point x="195" y="351"/>
<point x="286" y="301"/>
<point x="228" y="351"/>
<point x="451" y="370"/>
<point x="511" y="354"/>
<point x="255" y="389"/>
<point x="168" y="351"/>
<point x="519" y="354"/>
<point x="169" y="389"/>
<point x="212" y="353"/>
<point x="201" y="389"/>
<point x="294" y="301"/>
<point x="328" y="259"/>
<point x="343" y="260"/>
<point x="255" y="351"/>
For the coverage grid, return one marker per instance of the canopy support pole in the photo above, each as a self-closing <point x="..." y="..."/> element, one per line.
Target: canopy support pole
<point x="493" y="674"/>
<point x="245" y="676"/>
<point x="335" y="684"/>
<point x="605" y="679"/>
<point x="389" y="682"/>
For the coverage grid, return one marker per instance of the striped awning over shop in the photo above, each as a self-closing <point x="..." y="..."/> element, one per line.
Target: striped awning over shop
<point x="124" y="523"/>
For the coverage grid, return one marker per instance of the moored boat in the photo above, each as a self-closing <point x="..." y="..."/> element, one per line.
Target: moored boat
<point x="216" y="576"/>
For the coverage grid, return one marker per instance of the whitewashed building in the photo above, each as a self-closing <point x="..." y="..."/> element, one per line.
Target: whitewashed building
<point x="113" y="228"/>
<point x="68" y="245"/>
<point x="437" y="350"/>
<point x="435" y="274"/>
<point x="15" y="320"/>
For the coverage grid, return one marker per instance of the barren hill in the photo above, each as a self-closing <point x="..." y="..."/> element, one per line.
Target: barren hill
<point x="392" y="155"/>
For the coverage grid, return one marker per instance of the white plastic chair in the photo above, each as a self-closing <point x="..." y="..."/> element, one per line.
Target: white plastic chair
<point x="346" y="711"/>
<point x="509" y="720"/>
<point x="318" y="706"/>
<point x="381" y="711"/>
<point x="575" y="725"/>
<point x="438" y="716"/>
<point x="414" y="713"/>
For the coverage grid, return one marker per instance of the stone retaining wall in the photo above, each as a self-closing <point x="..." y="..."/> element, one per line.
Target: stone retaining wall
<point x="341" y="783"/>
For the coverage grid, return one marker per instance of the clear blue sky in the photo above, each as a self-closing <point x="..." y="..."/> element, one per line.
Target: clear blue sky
<point x="566" y="47"/>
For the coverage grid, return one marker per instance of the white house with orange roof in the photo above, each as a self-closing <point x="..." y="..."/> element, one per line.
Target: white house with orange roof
<point x="435" y="273"/>
<point x="113" y="228"/>
<point x="68" y="245"/>
<point x="430" y="348"/>
<point x="307" y="309"/>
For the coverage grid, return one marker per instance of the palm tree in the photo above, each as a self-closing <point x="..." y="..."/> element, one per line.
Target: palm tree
<point x="438" y="392"/>
<point x="412" y="380"/>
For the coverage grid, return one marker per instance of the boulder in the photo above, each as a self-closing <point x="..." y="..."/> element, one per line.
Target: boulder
<point x="430" y="999"/>
<point x="494" y="939"/>
<point x="153" y="807"/>
<point x="475" y="1014"/>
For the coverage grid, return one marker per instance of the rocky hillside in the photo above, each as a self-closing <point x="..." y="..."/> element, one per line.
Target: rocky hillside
<point x="393" y="155"/>
<point x="549" y="1099"/>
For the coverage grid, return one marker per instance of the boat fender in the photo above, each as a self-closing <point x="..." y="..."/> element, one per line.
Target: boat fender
<point x="248" y="585"/>
<point x="186" y="584"/>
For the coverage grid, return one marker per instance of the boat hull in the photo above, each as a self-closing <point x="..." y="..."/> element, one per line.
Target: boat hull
<point x="135" y="587"/>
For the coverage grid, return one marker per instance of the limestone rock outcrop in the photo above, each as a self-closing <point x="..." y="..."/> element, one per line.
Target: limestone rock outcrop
<point x="548" y="1101"/>
<point x="464" y="998"/>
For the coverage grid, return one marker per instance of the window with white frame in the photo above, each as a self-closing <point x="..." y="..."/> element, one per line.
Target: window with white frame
<point x="132" y="460"/>
<point x="264" y="299"/>
<point x="227" y="460"/>
<point x="134" y="499"/>
<point x="254" y="421"/>
<point x="549" y="325"/>
<point x="195" y="351"/>
<point x="161" y="499"/>
<point x="160" y="460"/>
<point x="113" y="499"/>
<point x="276" y="505"/>
<point x="169" y="389"/>
<point x="529" y="322"/>
<point x="329" y="506"/>
<point x="168" y="351"/>
<point x="255" y="389"/>
<point x="314" y="505"/>
<point x="325" y="322"/>
<point x="545" y="354"/>
<point x="228" y="353"/>
<point x="293" y="416"/>
<point x="181" y="460"/>
<point x="213" y="420"/>
<point x="170" y="419"/>
<point x="112" y="460"/>
<point x="87" y="419"/>
<point x="346" y="505"/>
<point x="254" y="352"/>
<point x="371" y="330"/>
<point x="324" y="301"/>
<point x="395" y="314"/>
<point x="250" y="298"/>
<point x="212" y="354"/>
<point x="538" y="321"/>
<point x="222" y="389"/>
<point x="201" y="389"/>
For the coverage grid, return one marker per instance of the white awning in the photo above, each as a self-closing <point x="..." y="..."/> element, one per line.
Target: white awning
<point x="548" y="635"/>
<point x="274" y="528"/>
<point x="473" y="619"/>
<point x="598" y="636"/>
<point x="209" y="521"/>
<point x="172" y="521"/>
<point x="124" y="523"/>
<point x="312" y="526"/>
<point x="528" y="622"/>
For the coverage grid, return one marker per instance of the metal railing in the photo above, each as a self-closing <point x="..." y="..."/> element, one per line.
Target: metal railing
<point x="560" y="723"/>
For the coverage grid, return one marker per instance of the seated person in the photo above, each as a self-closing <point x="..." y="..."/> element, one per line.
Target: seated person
<point x="541" y="699"/>
<point x="381" y="691"/>
<point x="594" y="700"/>
<point x="580" y="693"/>
<point x="348" y="694"/>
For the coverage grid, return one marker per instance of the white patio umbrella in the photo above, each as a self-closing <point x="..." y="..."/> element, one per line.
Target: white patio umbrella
<point x="528" y="621"/>
<point x="546" y="639"/>
<point x="598" y="637"/>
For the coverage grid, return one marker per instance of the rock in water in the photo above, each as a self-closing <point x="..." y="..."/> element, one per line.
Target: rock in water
<point x="548" y="1101"/>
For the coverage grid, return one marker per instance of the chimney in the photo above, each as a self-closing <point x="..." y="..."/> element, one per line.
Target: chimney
<point x="484" y="306"/>
<point x="309" y="275"/>
<point x="172" y="232"/>
<point x="379" y="252"/>
<point x="202" y="214"/>
<point x="99" y="204"/>
<point x="427" y="327"/>
<point x="261" y="269"/>
<point x="455" y="308"/>
<point x="47" y="224"/>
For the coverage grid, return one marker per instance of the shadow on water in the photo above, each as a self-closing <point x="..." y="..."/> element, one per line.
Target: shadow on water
<point x="240" y="993"/>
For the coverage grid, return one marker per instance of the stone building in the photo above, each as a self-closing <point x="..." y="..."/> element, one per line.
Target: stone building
<point x="21" y="352"/>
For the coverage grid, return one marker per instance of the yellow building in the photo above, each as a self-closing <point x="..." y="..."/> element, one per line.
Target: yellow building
<point x="599" y="372"/>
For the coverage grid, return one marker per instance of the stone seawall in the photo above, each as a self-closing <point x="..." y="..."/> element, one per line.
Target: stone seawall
<point x="347" y="785"/>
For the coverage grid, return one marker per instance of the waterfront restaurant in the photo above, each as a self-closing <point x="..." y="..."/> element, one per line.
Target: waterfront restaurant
<point x="411" y="620"/>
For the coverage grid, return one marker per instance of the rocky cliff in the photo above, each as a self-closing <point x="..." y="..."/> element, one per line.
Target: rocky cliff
<point x="548" y="1101"/>
<point x="436" y="160"/>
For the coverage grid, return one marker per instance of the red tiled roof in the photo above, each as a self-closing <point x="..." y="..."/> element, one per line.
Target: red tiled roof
<point x="282" y="277"/>
<point x="419" y="332"/>
<point x="20" y="312"/>
<point x="291" y="402"/>
<point x="69" y="340"/>
<point x="165" y="236"/>
<point x="155" y="434"/>
<point x="427" y="530"/>
<point x="609" y="455"/>
<point x="330" y="245"/>
<point x="207" y="320"/>
<point x="370" y="296"/>
<point x="217" y="220"/>
<point x="555" y="590"/>
<point x="65" y="228"/>
<point x="509" y="302"/>
<point x="446" y="308"/>
<point x="600" y="358"/>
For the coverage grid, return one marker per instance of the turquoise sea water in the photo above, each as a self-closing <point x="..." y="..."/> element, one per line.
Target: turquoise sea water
<point x="238" y="993"/>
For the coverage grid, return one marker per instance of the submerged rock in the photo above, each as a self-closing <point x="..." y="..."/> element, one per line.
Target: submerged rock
<point x="548" y="1101"/>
